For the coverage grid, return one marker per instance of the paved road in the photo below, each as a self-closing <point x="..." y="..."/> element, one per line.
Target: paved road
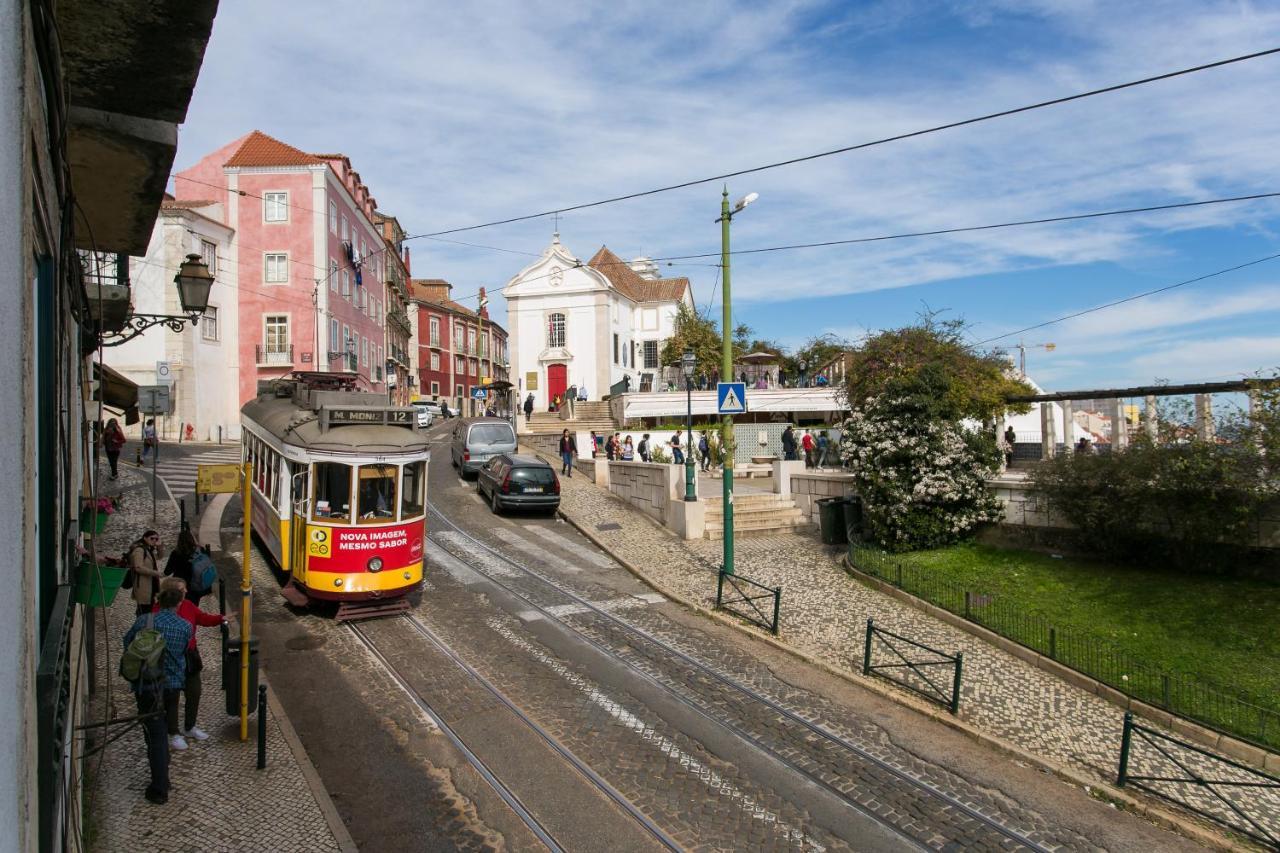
<point x="720" y="741"/>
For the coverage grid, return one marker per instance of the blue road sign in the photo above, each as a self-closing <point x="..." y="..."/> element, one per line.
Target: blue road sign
<point x="731" y="398"/>
<point x="479" y="394"/>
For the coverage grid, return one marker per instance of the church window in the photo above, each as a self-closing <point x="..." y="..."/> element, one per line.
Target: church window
<point x="615" y="347"/>
<point x="555" y="330"/>
<point x="651" y="355"/>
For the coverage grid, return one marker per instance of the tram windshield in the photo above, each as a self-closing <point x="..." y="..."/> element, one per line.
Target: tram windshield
<point x="412" y="482"/>
<point x="333" y="491"/>
<point x="377" y="499"/>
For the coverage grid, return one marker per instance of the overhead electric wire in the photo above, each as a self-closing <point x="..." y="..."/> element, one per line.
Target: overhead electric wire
<point x="1132" y="298"/>
<point x="859" y="146"/>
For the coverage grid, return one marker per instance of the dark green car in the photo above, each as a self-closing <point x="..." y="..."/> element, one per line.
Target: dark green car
<point x="510" y="481"/>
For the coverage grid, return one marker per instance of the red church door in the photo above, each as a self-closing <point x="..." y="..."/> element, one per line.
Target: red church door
<point x="557" y="381"/>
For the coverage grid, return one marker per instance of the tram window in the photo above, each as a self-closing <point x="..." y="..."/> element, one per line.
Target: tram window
<point x="377" y="493"/>
<point x="415" y="477"/>
<point x="333" y="491"/>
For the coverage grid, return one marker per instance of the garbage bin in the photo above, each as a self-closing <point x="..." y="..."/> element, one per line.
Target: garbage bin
<point x="231" y="675"/>
<point x="852" y="507"/>
<point x="831" y="521"/>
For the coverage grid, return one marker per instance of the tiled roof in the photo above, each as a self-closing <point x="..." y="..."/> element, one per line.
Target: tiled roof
<point x="629" y="283"/>
<point x="259" y="149"/>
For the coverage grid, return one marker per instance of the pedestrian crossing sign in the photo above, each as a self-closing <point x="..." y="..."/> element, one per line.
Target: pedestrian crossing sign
<point x="731" y="398"/>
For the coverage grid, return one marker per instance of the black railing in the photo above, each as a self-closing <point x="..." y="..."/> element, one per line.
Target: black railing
<point x="743" y="588"/>
<point x="1232" y="794"/>
<point x="276" y="354"/>
<point x="1240" y="717"/>
<point x="920" y="674"/>
<point x="53" y="711"/>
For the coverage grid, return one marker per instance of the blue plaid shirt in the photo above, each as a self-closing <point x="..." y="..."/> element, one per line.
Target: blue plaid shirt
<point x="177" y="633"/>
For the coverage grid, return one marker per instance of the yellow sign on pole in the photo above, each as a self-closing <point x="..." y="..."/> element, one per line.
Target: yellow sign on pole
<point x="531" y="381"/>
<point x="217" y="479"/>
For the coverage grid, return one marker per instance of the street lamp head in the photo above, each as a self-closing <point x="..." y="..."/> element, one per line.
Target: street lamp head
<point x="194" y="282"/>
<point x="745" y="200"/>
<point x="688" y="363"/>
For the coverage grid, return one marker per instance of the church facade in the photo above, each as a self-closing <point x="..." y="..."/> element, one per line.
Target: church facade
<point x="589" y="325"/>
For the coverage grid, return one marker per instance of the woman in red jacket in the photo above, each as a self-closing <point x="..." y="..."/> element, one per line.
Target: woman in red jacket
<point x="198" y="618"/>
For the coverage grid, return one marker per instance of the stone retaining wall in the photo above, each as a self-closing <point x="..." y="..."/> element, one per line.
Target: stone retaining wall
<point x="808" y="488"/>
<point x="649" y="487"/>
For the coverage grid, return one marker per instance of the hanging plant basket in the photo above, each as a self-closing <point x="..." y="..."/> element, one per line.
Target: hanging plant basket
<point x="93" y="522"/>
<point x="96" y="586"/>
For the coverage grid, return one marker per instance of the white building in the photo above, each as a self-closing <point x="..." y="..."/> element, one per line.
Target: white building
<point x="589" y="325"/>
<point x="203" y="363"/>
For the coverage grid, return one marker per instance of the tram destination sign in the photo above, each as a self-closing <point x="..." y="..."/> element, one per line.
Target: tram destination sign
<point x="369" y="416"/>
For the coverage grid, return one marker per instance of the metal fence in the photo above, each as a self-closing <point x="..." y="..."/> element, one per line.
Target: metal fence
<point x="1240" y="717"/>
<point x="1238" y="797"/>
<point x="745" y="592"/>
<point x="915" y="666"/>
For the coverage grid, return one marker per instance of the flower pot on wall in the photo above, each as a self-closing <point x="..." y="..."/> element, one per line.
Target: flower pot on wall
<point x="109" y="305"/>
<point x="93" y="522"/>
<point x="97" y="585"/>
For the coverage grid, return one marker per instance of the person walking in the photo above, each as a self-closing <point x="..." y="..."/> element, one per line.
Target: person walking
<point x="628" y="451"/>
<point x="191" y="686"/>
<point x="141" y="557"/>
<point x="704" y="450"/>
<point x="568" y="450"/>
<point x="824" y="445"/>
<point x="643" y="448"/>
<point x="788" y="444"/>
<point x="528" y="407"/>
<point x="1010" y="439"/>
<point x="595" y="444"/>
<point x="148" y="438"/>
<point x="180" y="565"/>
<point x="150" y="693"/>
<point x="806" y="441"/>
<point x="677" y="455"/>
<point x="113" y="442"/>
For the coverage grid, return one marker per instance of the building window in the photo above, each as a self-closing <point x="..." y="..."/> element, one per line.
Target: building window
<point x="460" y="392"/>
<point x="459" y="366"/>
<point x="555" y="330"/>
<point x="333" y="336"/>
<point x="277" y="267"/>
<point x="435" y="389"/>
<point x="471" y="340"/>
<point x="364" y="352"/>
<point x="276" y="339"/>
<point x="615" y="347"/>
<point x="435" y="331"/>
<point x="650" y="355"/>
<point x="333" y="218"/>
<point x="209" y="254"/>
<point x="346" y="284"/>
<point x="457" y="336"/>
<point x="346" y="229"/>
<point x="209" y="324"/>
<point x="435" y="361"/>
<point x="275" y="207"/>
<point x="333" y="275"/>
<point x="475" y="367"/>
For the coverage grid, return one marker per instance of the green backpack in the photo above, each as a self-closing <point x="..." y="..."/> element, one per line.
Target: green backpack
<point x="143" y="659"/>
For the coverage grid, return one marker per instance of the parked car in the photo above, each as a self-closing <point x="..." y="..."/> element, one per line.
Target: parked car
<point x="478" y="440"/>
<point x="519" y="482"/>
<point x="425" y="415"/>
<point x="432" y="406"/>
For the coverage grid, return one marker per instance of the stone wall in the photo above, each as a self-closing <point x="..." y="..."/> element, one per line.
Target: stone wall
<point x="647" y="486"/>
<point x="808" y="488"/>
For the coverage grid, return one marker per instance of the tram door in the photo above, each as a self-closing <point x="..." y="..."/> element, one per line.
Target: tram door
<point x="299" y="492"/>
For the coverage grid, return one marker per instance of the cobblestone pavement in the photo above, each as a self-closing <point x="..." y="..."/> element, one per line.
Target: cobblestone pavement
<point x="219" y="801"/>
<point x="824" y="614"/>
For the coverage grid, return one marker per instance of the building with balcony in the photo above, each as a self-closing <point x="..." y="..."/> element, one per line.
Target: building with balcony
<point x="401" y="375"/>
<point x="458" y="349"/>
<point x="308" y="260"/>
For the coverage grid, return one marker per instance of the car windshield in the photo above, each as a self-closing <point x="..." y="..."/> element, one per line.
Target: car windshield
<point x="536" y="476"/>
<point x="491" y="434"/>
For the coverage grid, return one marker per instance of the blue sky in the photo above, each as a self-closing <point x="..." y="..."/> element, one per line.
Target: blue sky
<point x="456" y="114"/>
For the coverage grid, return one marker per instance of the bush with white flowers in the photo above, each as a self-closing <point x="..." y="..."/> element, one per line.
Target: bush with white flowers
<point x="922" y="479"/>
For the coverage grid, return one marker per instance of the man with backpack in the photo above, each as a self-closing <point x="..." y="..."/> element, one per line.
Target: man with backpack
<point x="155" y="661"/>
<point x="704" y="450"/>
<point x="643" y="448"/>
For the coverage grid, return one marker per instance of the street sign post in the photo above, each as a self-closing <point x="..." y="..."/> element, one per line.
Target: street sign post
<point x="479" y="394"/>
<point x="731" y="398"/>
<point x="154" y="399"/>
<point x="164" y="373"/>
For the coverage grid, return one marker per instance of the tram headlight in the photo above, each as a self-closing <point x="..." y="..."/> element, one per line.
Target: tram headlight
<point x="375" y="564"/>
<point x="407" y="575"/>
<point x="337" y="581"/>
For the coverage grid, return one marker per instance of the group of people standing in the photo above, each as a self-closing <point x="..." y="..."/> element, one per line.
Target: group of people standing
<point x="616" y="448"/>
<point x="816" y="449"/>
<point x="169" y="603"/>
<point x="113" y="441"/>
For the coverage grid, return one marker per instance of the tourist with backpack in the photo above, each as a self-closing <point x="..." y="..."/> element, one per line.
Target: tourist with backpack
<point x="143" y="574"/>
<point x="190" y="564"/>
<point x="155" y="661"/>
<point x="704" y="450"/>
<point x="191" y="686"/>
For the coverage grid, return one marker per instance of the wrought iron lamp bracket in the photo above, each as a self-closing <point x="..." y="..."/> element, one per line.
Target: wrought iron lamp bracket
<point x="136" y="324"/>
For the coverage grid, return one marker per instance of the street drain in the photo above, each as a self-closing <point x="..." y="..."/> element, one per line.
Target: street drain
<point x="304" y="643"/>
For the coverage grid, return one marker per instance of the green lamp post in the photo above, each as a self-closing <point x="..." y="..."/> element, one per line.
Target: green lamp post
<point x="689" y="363"/>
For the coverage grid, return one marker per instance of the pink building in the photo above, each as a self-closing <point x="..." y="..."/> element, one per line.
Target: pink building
<point x="309" y="262"/>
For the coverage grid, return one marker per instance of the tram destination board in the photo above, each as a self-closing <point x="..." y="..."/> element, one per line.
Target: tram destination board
<point x="367" y="416"/>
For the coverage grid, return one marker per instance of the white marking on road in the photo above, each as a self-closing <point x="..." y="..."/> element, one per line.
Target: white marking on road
<point x="457" y="569"/>
<point x="714" y="781"/>
<point x="515" y="540"/>
<point x="460" y="544"/>
<point x="582" y="549"/>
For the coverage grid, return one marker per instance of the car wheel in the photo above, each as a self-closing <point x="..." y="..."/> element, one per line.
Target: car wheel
<point x="493" y="503"/>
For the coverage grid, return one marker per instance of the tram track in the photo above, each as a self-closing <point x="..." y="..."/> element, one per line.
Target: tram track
<point x="521" y="809"/>
<point x="950" y="819"/>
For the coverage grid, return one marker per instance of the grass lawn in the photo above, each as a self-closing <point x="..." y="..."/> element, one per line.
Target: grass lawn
<point x="1222" y="631"/>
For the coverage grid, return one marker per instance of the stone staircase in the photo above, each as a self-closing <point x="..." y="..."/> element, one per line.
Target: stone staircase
<point x="588" y="416"/>
<point x="758" y="514"/>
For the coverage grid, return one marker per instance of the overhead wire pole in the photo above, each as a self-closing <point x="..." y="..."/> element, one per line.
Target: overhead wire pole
<point x="727" y="445"/>
<point x="246" y="606"/>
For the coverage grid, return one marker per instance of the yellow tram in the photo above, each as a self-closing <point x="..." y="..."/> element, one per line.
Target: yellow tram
<point x="339" y="491"/>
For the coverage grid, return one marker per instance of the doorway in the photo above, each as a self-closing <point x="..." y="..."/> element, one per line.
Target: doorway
<point x="557" y="381"/>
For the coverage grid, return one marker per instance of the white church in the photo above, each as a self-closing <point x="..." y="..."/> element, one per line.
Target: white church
<point x="589" y="325"/>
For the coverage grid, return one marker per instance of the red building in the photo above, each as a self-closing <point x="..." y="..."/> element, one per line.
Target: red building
<point x="458" y="349"/>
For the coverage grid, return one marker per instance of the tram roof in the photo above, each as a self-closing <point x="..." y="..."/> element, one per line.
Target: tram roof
<point x="292" y="413"/>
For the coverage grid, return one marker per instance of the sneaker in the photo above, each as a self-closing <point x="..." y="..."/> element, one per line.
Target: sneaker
<point x="156" y="797"/>
<point x="196" y="733"/>
<point x="178" y="742"/>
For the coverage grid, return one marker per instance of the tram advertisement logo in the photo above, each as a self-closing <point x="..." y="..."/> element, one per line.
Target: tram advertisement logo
<point x="398" y="545"/>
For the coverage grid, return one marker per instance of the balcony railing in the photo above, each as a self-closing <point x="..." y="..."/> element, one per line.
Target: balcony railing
<point x="273" y="354"/>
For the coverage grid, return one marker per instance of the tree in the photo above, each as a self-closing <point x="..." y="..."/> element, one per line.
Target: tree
<point x="817" y="352"/>
<point x="933" y="363"/>
<point x="696" y="333"/>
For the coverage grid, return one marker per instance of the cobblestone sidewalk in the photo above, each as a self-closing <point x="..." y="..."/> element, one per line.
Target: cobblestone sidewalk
<point x="219" y="800"/>
<point x="824" y="615"/>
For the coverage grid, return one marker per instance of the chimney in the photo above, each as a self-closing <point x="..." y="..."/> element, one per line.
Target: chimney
<point x="484" y="311"/>
<point x="407" y="267"/>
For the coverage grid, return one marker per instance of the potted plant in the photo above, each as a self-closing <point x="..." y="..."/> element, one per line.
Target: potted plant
<point x="98" y="583"/>
<point x="94" y="513"/>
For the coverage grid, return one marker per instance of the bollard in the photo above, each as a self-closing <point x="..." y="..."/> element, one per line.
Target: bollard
<point x="866" y="651"/>
<point x="262" y="726"/>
